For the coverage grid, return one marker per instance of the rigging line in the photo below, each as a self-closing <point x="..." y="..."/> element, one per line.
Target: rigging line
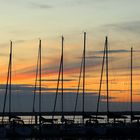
<point x="35" y="85"/>
<point x="128" y="84"/>
<point x="58" y="81"/>
<point x="6" y="91"/>
<point x="77" y="94"/>
<point x="10" y="76"/>
<point x="83" y="107"/>
<point x="110" y="71"/>
<point x="101" y="79"/>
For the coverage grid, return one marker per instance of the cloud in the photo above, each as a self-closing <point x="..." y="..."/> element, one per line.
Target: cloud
<point x="89" y="56"/>
<point x="131" y="27"/>
<point x="55" y="80"/>
<point x="25" y="94"/>
<point x="4" y="54"/>
<point x="22" y="100"/>
<point x="83" y="2"/>
<point x="40" y="6"/>
<point x="53" y="69"/>
<point x="3" y="45"/>
<point x="92" y="54"/>
<point x="22" y="88"/>
<point x="20" y="41"/>
<point x="114" y="51"/>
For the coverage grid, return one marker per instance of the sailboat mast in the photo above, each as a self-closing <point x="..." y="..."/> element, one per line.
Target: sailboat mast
<point x="131" y="83"/>
<point x="10" y="76"/>
<point x="7" y="83"/>
<point x="62" y="81"/>
<point x="107" y="85"/>
<point x="84" y="53"/>
<point x="101" y="80"/>
<point x="40" y="78"/>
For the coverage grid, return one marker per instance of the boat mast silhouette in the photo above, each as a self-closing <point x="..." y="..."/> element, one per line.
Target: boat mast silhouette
<point x="10" y="79"/>
<point x="57" y="87"/>
<point x="40" y="74"/>
<point x="84" y="64"/>
<point x="78" y="88"/>
<point x="37" y="79"/>
<point x="62" y="81"/>
<point x="101" y="80"/>
<point x="131" y="85"/>
<point x="60" y="78"/>
<point x="104" y="61"/>
<point x="8" y="85"/>
<point x="107" y="77"/>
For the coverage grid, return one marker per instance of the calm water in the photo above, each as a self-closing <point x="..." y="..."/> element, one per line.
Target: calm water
<point x="70" y="138"/>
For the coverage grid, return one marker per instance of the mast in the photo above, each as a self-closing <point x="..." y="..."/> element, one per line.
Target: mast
<point x="62" y="82"/>
<point x="60" y="79"/>
<point x="101" y="80"/>
<point x="40" y="81"/>
<point x="10" y="77"/>
<point x="84" y="53"/>
<point x="107" y="85"/>
<point x="78" y="87"/>
<point x="7" y="85"/>
<point x="36" y="82"/>
<point x="131" y="83"/>
<point x="57" y="87"/>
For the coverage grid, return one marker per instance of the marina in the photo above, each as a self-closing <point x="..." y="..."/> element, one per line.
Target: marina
<point x="40" y="124"/>
<point x="69" y="70"/>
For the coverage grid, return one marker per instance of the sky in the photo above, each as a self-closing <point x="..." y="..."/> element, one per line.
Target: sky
<point x="25" y="21"/>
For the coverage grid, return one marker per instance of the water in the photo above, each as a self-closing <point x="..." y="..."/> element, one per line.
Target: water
<point x="70" y="138"/>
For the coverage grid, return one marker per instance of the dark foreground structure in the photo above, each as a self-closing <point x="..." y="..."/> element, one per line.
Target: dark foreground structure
<point x="119" y="124"/>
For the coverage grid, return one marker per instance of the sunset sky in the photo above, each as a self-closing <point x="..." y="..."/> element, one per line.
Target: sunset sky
<point x="25" y="21"/>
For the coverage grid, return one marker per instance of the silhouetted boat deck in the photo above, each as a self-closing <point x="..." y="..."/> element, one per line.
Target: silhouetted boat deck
<point x="67" y="113"/>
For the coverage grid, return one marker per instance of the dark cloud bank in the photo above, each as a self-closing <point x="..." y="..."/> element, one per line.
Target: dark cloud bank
<point x="22" y="100"/>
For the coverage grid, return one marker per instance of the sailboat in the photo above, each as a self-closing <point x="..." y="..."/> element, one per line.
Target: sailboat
<point x="82" y="71"/>
<point x="132" y="116"/>
<point x="38" y="119"/>
<point x="75" y="128"/>
<point x="5" y="127"/>
<point x="93" y="125"/>
<point x="15" y="125"/>
<point x="44" y="127"/>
